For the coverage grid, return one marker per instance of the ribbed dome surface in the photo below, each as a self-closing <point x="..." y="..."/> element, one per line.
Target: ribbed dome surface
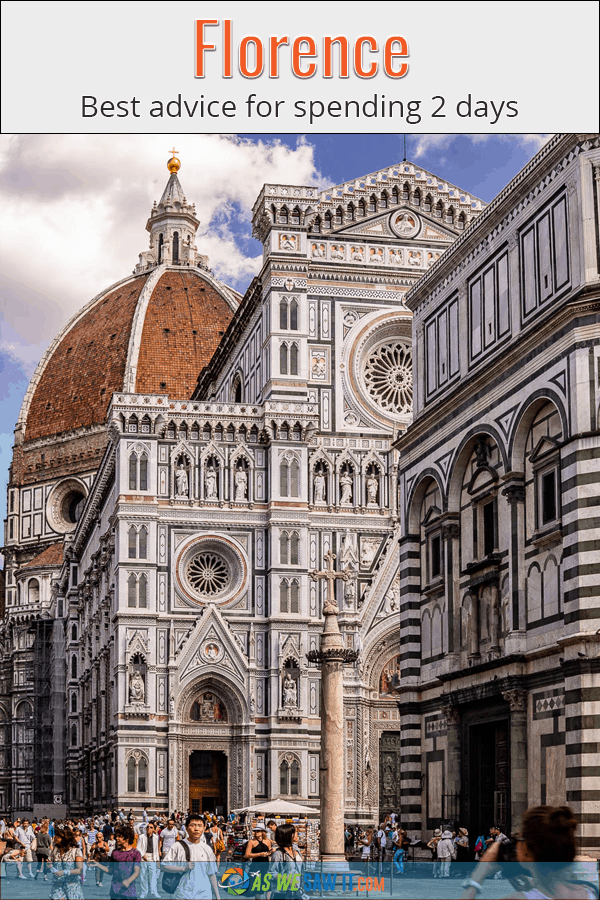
<point x="153" y="332"/>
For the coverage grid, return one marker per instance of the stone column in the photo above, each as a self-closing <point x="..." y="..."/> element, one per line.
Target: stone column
<point x="517" y="700"/>
<point x="331" y="656"/>
<point x="515" y="497"/>
<point x="474" y="654"/>
<point x="451" y="714"/>
<point x="451" y="534"/>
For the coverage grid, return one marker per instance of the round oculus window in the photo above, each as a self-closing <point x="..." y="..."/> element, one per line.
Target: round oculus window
<point x="65" y="505"/>
<point x="388" y="377"/>
<point x="208" y="573"/>
<point x="212" y="569"/>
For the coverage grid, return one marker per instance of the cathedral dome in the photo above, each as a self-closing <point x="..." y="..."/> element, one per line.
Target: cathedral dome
<point x="152" y="332"/>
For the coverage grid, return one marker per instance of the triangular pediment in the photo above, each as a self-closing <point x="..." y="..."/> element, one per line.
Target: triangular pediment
<point x="544" y="446"/>
<point x="210" y="644"/>
<point x="399" y="223"/>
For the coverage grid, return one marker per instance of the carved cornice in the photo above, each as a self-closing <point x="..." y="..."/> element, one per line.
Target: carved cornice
<point x="333" y="654"/>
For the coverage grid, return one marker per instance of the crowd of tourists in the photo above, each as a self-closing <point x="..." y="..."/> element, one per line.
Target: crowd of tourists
<point x="132" y="851"/>
<point x="136" y="852"/>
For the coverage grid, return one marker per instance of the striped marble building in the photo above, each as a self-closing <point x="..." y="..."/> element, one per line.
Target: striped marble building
<point x="500" y="506"/>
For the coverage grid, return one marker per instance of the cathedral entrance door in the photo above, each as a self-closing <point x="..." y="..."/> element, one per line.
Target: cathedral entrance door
<point x="389" y="773"/>
<point x="208" y="781"/>
<point x="488" y="778"/>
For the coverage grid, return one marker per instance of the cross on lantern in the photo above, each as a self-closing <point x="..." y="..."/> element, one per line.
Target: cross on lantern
<point x="174" y="152"/>
<point x="330" y="607"/>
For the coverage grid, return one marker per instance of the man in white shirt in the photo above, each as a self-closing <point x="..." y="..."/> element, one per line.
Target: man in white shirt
<point x="382" y="837"/>
<point x="25" y="836"/>
<point x="168" y="836"/>
<point x="201" y="871"/>
<point x="148" y="846"/>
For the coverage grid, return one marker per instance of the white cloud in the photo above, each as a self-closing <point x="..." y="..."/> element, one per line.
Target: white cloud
<point x="73" y="210"/>
<point x="426" y="143"/>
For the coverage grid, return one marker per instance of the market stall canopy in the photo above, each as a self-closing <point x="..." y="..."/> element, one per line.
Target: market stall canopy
<point x="279" y="807"/>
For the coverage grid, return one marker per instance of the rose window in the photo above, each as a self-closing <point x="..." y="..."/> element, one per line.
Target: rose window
<point x="388" y="377"/>
<point x="208" y="574"/>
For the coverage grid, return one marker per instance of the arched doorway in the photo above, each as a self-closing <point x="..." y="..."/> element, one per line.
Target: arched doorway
<point x="208" y="781"/>
<point x="210" y="741"/>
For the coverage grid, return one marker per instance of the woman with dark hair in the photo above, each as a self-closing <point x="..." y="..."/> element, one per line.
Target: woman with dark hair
<point x="546" y="848"/>
<point x="66" y="865"/>
<point x="286" y="861"/>
<point x="125" y="865"/>
<point x="44" y="846"/>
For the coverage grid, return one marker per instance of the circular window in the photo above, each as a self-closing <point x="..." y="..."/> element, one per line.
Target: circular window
<point x="211" y="569"/>
<point x="388" y="377"/>
<point x="65" y="505"/>
<point x="208" y="574"/>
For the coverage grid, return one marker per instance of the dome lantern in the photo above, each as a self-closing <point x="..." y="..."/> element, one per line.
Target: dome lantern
<point x="172" y="226"/>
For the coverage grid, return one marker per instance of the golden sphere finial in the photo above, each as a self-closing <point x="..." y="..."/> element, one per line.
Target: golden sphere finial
<point x="174" y="164"/>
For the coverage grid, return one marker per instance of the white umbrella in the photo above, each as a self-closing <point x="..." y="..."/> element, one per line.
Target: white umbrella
<point x="279" y="807"/>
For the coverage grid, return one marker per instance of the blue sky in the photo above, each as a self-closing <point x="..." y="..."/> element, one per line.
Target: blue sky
<point x="74" y="208"/>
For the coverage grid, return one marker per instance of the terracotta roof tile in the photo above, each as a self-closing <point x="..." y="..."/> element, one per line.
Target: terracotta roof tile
<point x="184" y="323"/>
<point x="88" y="365"/>
<point x="50" y="556"/>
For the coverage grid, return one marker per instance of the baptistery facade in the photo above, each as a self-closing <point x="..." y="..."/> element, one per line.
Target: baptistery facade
<point x="187" y="457"/>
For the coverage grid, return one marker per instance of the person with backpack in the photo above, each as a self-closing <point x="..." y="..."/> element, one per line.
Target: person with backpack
<point x="194" y="862"/>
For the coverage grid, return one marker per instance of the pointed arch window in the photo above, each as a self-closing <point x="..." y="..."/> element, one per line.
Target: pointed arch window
<point x="284" y="475"/>
<point x="132" y="542"/>
<point x="175" y="248"/>
<point x="237" y="390"/>
<point x="283" y="359"/>
<point x="73" y="735"/>
<point x="73" y="703"/>
<point x="289" y="478"/>
<point x="142" y="776"/>
<point x="138" y="542"/>
<point x="289" y="778"/>
<point x="294" y="315"/>
<point x="161" y="241"/>
<point x="73" y="667"/>
<point x="294" y="479"/>
<point x="131" y="773"/>
<point x="283" y="314"/>
<point x="294" y="596"/>
<point x="138" y="472"/>
<point x="143" y="542"/>
<point x="132" y="591"/>
<point x="294" y="548"/>
<point x="284" y="596"/>
<point x="137" y="591"/>
<point x="284" y="548"/>
<point x="294" y="359"/>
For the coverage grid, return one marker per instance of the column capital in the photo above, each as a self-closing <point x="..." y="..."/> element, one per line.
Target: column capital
<point x="450" y="531"/>
<point x="514" y="493"/>
<point x="451" y="714"/>
<point x="516" y="699"/>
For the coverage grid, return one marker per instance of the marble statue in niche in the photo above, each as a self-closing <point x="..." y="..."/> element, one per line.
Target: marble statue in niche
<point x="241" y="484"/>
<point x="290" y="692"/>
<point x="210" y="483"/>
<point x="137" y="690"/>
<point x="181" y="481"/>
